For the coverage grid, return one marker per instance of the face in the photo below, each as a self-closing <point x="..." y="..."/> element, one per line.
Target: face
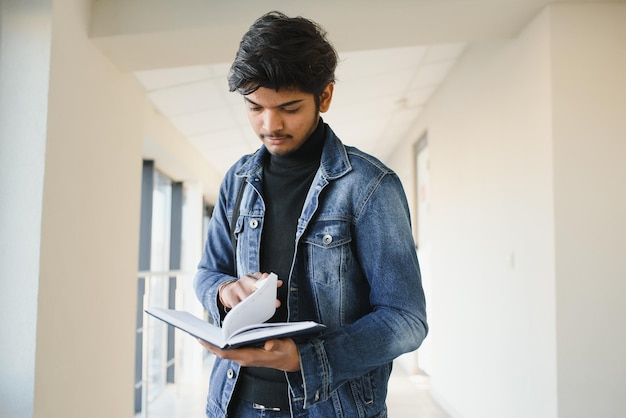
<point x="285" y="119"/>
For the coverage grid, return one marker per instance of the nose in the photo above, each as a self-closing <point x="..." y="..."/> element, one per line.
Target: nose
<point x="272" y="121"/>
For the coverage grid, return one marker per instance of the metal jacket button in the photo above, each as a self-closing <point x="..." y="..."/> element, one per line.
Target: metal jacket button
<point x="254" y="223"/>
<point x="327" y="239"/>
<point x="230" y="373"/>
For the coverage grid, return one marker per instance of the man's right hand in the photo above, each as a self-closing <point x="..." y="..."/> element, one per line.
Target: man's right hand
<point x="232" y="293"/>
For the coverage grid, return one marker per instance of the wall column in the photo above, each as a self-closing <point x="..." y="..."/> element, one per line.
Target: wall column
<point x="25" y="37"/>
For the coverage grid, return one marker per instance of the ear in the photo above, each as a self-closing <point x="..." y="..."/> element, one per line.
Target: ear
<point x="326" y="97"/>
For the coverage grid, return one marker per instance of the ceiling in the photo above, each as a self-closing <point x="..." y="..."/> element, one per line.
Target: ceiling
<point x="378" y="96"/>
<point x="393" y="57"/>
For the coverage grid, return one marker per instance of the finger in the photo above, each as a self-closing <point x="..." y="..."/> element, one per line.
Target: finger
<point x="230" y="295"/>
<point x="271" y="345"/>
<point x="206" y="345"/>
<point x="239" y="292"/>
<point x="257" y="276"/>
<point x="247" y="357"/>
<point x="249" y="281"/>
<point x="240" y="289"/>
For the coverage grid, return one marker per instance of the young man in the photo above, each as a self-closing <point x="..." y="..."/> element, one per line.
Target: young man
<point x="331" y="221"/>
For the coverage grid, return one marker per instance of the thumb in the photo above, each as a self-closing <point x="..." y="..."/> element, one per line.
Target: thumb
<point x="270" y="345"/>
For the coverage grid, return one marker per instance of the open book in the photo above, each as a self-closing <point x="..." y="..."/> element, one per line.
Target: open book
<point x="244" y="324"/>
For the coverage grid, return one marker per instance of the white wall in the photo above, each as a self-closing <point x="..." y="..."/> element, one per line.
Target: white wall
<point x="492" y="252"/>
<point x="24" y="63"/>
<point x="90" y="227"/>
<point x="589" y="71"/>
<point x="73" y="132"/>
<point x="526" y="140"/>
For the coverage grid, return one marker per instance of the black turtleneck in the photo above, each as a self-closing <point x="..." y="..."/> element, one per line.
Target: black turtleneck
<point x="286" y="182"/>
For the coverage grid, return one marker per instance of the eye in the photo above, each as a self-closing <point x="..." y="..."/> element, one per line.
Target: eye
<point x="291" y="111"/>
<point x="255" y="108"/>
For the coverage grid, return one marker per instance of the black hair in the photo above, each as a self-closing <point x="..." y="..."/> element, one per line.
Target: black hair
<point x="279" y="52"/>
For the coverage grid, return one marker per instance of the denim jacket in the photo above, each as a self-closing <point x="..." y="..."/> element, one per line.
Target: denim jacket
<point x="355" y="270"/>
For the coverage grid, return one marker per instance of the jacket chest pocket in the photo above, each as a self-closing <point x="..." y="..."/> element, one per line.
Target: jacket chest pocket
<point x="248" y="234"/>
<point x="327" y="246"/>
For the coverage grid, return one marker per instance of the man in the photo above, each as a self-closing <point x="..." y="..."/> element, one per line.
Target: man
<point x="331" y="221"/>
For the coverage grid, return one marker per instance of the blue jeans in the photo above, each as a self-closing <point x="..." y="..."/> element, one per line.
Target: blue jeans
<point x="245" y="409"/>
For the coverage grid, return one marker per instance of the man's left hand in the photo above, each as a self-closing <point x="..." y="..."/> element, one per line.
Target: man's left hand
<point x="276" y="354"/>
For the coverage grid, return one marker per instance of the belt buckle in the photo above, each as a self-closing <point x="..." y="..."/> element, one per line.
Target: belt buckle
<point x="264" y="408"/>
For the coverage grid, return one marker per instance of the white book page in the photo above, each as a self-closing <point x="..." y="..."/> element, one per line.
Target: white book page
<point x="191" y="324"/>
<point x="255" y="309"/>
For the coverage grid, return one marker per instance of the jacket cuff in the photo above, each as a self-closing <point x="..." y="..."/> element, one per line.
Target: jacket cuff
<point x="311" y="384"/>
<point x="216" y="310"/>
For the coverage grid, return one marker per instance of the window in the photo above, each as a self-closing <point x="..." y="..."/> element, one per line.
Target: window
<point x="159" y="255"/>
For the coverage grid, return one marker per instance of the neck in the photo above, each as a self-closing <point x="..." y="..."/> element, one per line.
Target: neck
<point x="310" y="151"/>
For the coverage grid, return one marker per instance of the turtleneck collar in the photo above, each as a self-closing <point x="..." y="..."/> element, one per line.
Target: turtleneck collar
<point x="310" y="151"/>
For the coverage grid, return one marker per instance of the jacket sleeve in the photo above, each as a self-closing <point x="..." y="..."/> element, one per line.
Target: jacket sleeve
<point x="216" y="266"/>
<point x="397" y="321"/>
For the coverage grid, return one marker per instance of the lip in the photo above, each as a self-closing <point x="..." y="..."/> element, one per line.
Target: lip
<point x="275" y="139"/>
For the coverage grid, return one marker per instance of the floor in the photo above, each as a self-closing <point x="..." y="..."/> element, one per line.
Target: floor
<point x="409" y="397"/>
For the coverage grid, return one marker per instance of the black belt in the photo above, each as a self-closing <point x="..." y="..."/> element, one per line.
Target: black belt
<point x="267" y="394"/>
